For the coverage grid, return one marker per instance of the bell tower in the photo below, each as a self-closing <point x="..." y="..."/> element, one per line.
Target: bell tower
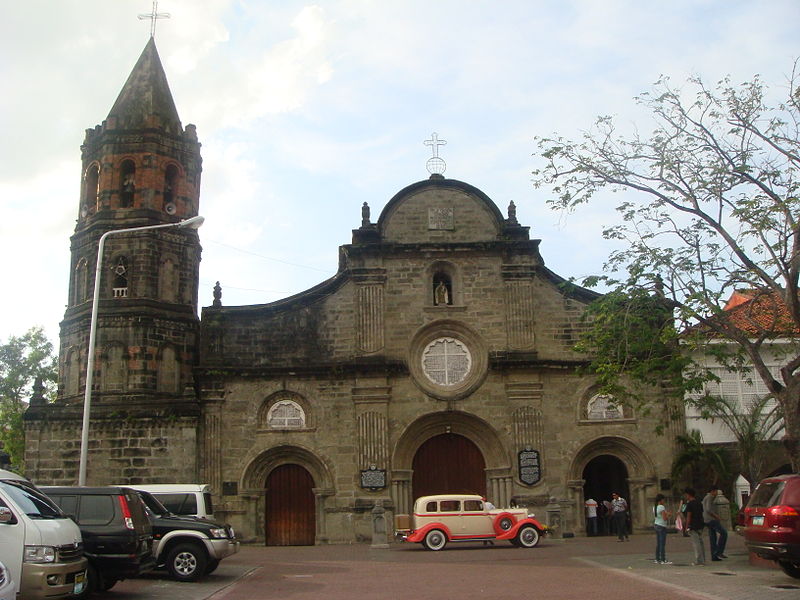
<point x="140" y="168"/>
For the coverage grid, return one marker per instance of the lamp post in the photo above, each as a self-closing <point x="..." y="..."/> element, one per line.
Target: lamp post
<point x="192" y="223"/>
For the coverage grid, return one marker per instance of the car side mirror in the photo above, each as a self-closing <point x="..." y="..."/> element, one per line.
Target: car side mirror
<point x="6" y="516"/>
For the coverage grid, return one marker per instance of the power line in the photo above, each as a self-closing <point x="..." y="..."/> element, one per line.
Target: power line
<point x="285" y="262"/>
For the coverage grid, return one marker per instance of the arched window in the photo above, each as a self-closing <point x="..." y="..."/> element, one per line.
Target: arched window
<point x="91" y="190"/>
<point x="114" y="370"/>
<point x="286" y="414"/>
<point x="601" y="407"/>
<point x="120" y="283"/>
<point x="127" y="183"/>
<point x="72" y="373"/>
<point x="80" y="290"/>
<point x="168" y="371"/>
<point x="168" y="280"/>
<point x="171" y="189"/>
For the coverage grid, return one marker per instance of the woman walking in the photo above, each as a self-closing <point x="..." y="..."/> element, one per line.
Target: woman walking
<point x="661" y="514"/>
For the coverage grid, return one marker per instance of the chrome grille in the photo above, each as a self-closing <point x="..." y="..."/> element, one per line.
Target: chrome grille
<point x="70" y="552"/>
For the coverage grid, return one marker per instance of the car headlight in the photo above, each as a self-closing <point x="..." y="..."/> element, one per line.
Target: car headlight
<point x="40" y="554"/>
<point x="218" y="532"/>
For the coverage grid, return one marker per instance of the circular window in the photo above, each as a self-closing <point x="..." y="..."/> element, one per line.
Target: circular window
<point x="446" y="361"/>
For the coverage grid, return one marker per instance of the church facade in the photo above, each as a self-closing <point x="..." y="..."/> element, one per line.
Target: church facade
<point x="439" y="358"/>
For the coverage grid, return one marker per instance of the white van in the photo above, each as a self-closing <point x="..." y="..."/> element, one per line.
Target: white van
<point x="186" y="499"/>
<point x="42" y="548"/>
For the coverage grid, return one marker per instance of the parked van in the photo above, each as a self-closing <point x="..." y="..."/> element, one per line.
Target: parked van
<point x="41" y="547"/>
<point x="186" y="499"/>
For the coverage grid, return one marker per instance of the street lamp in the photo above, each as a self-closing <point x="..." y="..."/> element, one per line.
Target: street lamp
<point x="192" y="223"/>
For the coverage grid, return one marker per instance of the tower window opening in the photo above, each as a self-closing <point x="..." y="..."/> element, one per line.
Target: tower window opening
<point x="170" y="189"/>
<point x="91" y="200"/>
<point x="442" y="289"/>
<point x="120" y="287"/>
<point x="127" y="184"/>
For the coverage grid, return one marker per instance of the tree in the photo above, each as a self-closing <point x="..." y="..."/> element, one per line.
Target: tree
<point x="704" y="464"/>
<point x="711" y="206"/>
<point x="752" y="426"/>
<point x="23" y="360"/>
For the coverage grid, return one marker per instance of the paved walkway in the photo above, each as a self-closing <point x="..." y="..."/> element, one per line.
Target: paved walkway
<point x="577" y="568"/>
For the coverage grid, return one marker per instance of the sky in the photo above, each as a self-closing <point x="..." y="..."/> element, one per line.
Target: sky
<point x="306" y="110"/>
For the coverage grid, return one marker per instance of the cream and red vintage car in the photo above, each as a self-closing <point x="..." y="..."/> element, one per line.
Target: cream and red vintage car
<point x="465" y="518"/>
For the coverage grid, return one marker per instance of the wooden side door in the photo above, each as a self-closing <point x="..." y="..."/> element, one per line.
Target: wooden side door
<point x="448" y="464"/>
<point x="290" y="515"/>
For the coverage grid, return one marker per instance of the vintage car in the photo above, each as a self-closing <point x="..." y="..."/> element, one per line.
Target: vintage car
<point x="466" y="518"/>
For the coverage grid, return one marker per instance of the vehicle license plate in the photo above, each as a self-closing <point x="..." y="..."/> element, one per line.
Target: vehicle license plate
<point x="758" y="520"/>
<point x="80" y="583"/>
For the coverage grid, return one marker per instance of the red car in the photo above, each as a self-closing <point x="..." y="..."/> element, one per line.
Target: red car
<point x="772" y="522"/>
<point x="438" y="520"/>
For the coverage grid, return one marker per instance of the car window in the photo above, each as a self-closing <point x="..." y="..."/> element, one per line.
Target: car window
<point x="450" y="505"/>
<point x="180" y="504"/>
<point x="207" y="499"/>
<point x="791" y="494"/>
<point x="96" y="510"/>
<point x="152" y="504"/>
<point x="767" y="493"/>
<point x="32" y="502"/>
<point x="473" y="505"/>
<point x="69" y="504"/>
<point x="430" y="507"/>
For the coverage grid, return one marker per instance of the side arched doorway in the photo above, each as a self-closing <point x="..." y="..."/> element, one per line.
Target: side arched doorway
<point x="448" y="464"/>
<point x="603" y="475"/>
<point x="290" y="507"/>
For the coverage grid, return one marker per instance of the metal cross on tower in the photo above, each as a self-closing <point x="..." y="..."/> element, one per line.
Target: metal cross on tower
<point x="435" y="165"/>
<point x="153" y="16"/>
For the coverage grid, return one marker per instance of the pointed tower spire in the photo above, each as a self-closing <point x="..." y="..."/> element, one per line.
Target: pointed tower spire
<point x="145" y="101"/>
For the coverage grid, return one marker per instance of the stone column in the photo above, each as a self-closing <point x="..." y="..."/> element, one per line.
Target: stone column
<point x="576" y="511"/>
<point x="401" y="492"/>
<point x="370" y="308"/>
<point x="320" y="495"/>
<point x="519" y="305"/>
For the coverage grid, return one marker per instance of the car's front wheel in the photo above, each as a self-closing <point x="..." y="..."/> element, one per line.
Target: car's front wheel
<point x="791" y="568"/>
<point x="186" y="562"/>
<point x="435" y="539"/>
<point x="528" y="536"/>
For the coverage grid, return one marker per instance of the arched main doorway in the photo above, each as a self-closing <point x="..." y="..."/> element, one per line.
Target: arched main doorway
<point x="290" y="508"/>
<point x="603" y="475"/>
<point x="448" y="463"/>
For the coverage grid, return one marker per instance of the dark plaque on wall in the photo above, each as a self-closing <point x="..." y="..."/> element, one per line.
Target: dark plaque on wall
<point x="373" y="478"/>
<point x="530" y="467"/>
<point x="230" y="488"/>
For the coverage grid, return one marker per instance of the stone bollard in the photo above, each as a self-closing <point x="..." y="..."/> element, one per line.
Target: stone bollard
<point x="722" y="507"/>
<point x="553" y="512"/>
<point x="379" y="526"/>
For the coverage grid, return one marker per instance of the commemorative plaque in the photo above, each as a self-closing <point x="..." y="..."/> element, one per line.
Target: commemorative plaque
<point x="373" y="478"/>
<point x="530" y="467"/>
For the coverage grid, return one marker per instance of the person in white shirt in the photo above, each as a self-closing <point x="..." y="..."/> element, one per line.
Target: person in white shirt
<point x="591" y="516"/>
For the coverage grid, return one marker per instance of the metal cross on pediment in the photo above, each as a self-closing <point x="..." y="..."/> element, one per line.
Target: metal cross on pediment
<point x="436" y="166"/>
<point x="153" y="16"/>
<point x="435" y="142"/>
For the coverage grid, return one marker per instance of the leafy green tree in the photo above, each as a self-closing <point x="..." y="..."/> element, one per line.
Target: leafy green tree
<point x="22" y="360"/>
<point x="752" y="427"/>
<point x="710" y="205"/>
<point x="698" y="463"/>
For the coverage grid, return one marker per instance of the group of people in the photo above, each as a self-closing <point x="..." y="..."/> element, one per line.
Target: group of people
<point x="693" y="517"/>
<point x="696" y="516"/>
<point x="612" y="514"/>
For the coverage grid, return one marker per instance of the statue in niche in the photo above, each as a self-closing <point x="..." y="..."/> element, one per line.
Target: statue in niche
<point x="365" y="215"/>
<point x="441" y="296"/>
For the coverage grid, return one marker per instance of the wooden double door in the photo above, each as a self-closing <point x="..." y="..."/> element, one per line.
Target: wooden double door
<point x="448" y="464"/>
<point x="290" y="513"/>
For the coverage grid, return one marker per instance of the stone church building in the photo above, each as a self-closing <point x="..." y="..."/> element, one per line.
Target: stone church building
<point x="438" y="358"/>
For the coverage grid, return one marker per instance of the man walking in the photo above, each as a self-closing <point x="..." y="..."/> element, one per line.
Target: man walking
<point x="715" y="527"/>
<point x="694" y="522"/>
<point x="620" y="516"/>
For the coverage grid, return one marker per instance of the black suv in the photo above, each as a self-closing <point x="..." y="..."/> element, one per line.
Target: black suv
<point x="117" y="535"/>
<point x="189" y="547"/>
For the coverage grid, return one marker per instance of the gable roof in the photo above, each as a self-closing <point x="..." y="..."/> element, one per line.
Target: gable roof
<point x="757" y="312"/>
